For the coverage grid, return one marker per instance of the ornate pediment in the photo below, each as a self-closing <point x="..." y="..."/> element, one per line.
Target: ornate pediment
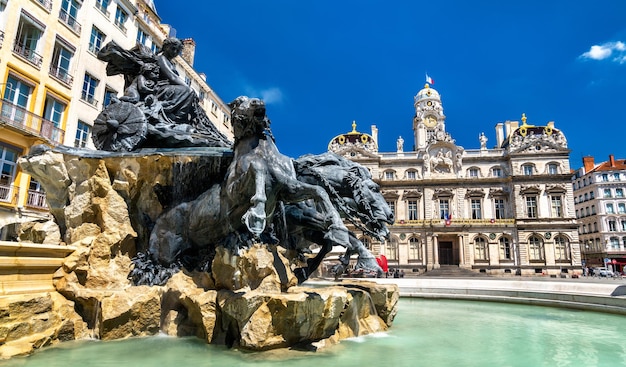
<point x="412" y="194"/>
<point x="443" y="192"/>
<point x="497" y="192"/>
<point x="556" y="188"/>
<point x="475" y="193"/>
<point x="530" y="189"/>
<point x="352" y="151"/>
<point x="390" y="194"/>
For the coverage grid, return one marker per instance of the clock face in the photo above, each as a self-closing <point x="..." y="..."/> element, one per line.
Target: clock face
<point x="430" y="121"/>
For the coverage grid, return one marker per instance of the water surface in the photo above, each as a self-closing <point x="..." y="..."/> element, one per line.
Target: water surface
<point x="425" y="333"/>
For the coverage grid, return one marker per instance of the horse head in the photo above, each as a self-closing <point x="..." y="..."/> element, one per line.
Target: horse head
<point x="248" y="117"/>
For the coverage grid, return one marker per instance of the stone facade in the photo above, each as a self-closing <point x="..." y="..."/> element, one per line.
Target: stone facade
<point x="506" y="209"/>
<point x="600" y="201"/>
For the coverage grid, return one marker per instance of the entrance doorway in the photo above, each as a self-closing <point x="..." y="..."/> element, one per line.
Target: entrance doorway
<point x="446" y="254"/>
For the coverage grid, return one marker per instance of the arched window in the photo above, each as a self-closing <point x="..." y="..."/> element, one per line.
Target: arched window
<point x="415" y="249"/>
<point x="535" y="248"/>
<point x="561" y="248"/>
<point x="506" y="252"/>
<point x="392" y="249"/>
<point x="480" y="249"/>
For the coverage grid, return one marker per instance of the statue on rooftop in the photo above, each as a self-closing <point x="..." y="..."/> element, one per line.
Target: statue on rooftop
<point x="158" y="109"/>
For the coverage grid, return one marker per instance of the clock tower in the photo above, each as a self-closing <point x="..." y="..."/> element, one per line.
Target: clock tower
<point x="429" y="117"/>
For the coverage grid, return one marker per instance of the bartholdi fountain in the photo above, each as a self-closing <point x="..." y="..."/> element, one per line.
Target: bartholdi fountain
<point x="177" y="230"/>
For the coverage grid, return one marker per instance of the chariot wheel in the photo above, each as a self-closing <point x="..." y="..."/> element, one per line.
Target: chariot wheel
<point x="120" y="127"/>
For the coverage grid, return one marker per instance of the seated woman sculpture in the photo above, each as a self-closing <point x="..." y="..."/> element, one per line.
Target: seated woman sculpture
<point x="155" y="90"/>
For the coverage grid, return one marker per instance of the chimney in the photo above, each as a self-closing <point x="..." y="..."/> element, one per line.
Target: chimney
<point x="189" y="50"/>
<point x="588" y="163"/>
<point x="499" y="134"/>
<point x="612" y="160"/>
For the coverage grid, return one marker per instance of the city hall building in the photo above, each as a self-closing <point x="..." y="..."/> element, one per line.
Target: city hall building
<point x="501" y="210"/>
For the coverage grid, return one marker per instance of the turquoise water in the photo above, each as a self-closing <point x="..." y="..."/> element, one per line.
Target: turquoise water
<point x="426" y="333"/>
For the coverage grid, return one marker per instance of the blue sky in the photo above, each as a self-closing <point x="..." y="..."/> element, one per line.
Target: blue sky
<point x="321" y="64"/>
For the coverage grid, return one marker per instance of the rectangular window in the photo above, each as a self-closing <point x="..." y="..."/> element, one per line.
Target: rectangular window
<point x="388" y="175"/>
<point x="411" y="175"/>
<point x="605" y="177"/>
<point x="102" y="5"/>
<point x="8" y="167"/>
<point x="120" y="18"/>
<point x="499" y="208"/>
<point x="556" y="206"/>
<point x="624" y="226"/>
<point x="476" y="209"/>
<point x="610" y="209"/>
<point x="612" y="226"/>
<point x="392" y="206"/>
<point x="68" y="14"/>
<point x="82" y="134"/>
<point x="616" y="176"/>
<point x="53" y="111"/>
<point x="444" y="208"/>
<point x="60" y="65"/>
<point x="89" y="89"/>
<point x="553" y="169"/>
<point x="17" y="94"/>
<point x="496" y="172"/>
<point x="412" y="209"/>
<point x="505" y="249"/>
<point x="27" y="42"/>
<point x="96" y="40"/>
<point x="607" y="193"/>
<point x="621" y="208"/>
<point x="473" y="172"/>
<point x="528" y="170"/>
<point x="531" y="206"/>
<point x="619" y="193"/>
<point x="415" y="250"/>
<point x="142" y="37"/>
<point x="109" y="94"/>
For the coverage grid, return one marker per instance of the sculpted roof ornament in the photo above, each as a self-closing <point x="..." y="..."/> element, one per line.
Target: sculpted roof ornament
<point x="540" y="139"/>
<point x="353" y="141"/>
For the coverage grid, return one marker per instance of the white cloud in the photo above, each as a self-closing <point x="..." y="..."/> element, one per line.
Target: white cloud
<point x="269" y="95"/>
<point x="606" y="50"/>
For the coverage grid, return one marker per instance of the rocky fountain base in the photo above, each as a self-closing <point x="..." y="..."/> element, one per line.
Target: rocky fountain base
<point x="105" y="204"/>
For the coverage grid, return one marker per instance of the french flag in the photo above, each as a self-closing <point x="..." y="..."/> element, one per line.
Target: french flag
<point x="429" y="80"/>
<point x="448" y="219"/>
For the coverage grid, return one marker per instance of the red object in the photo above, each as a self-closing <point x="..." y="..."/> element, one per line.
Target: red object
<point x="382" y="262"/>
<point x="614" y="261"/>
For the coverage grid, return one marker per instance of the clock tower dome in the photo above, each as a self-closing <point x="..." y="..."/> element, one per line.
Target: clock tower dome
<point x="429" y="117"/>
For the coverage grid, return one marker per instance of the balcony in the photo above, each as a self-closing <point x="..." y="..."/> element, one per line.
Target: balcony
<point x="8" y="194"/>
<point x="103" y="10"/>
<point x="36" y="199"/>
<point x="70" y="21"/>
<point x="61" y="75"/>
<point x="120" y="26"/>
<point x="27" y="54"/>
<point x="455" y="221"/>
<point x="89" y="99"/>
<point x="47" y="4"/>
<point x="29" y="122"/>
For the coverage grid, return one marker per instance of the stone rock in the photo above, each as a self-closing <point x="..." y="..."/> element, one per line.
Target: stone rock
<point x="32" y="321"/>
<point x="189" y="309"/>
<point x="261" y="267"/>
<point x="384" y="297"/>
<point x="40" y="232"/>
<point x="135" y="311"/>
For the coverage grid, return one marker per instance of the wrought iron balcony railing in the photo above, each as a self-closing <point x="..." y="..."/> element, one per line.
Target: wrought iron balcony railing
<point x="66" y="18"/>
<point x="27" y="121"/>
<point x="61" y="75"/>
<point x="36" y="199"/>
<point x="29" y="55"/>
<point x="8" y="194"/>
<point x="47" y="4"/>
